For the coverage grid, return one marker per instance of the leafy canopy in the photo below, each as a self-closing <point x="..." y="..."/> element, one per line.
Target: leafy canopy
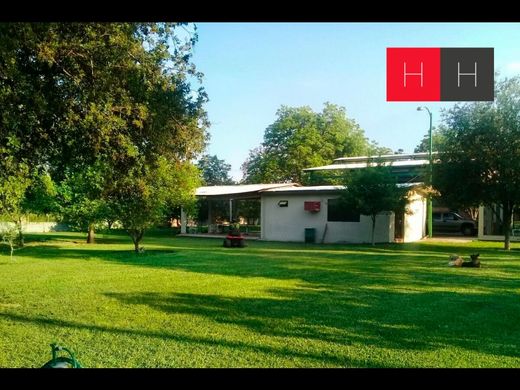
<point x="301" y="138"/>
<point x="480" y="158"/>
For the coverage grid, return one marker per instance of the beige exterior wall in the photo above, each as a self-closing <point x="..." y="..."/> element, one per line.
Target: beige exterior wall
<point x="289" y="223"/>
<point x="415" y="222"/>
<point x="38" y="227"/>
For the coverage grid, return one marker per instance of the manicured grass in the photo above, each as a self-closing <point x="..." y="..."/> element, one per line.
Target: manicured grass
<point x="189" y="302"/>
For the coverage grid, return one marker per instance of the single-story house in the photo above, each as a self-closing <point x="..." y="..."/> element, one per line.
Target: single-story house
<point x="290" y="212"/>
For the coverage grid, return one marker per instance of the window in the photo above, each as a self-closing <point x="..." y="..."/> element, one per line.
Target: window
<point x="449" y="217"/>
<point x="337" y="213"/>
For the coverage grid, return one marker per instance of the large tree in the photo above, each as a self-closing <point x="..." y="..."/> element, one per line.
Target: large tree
<point x="145" y="195"/>
<point x="480" y="158"/>
<point x="72" y="92"/>
<point x="300" y="138"/>
<point x="215" y="172"/>
<point x="76" y="96"/>
<point x="371" y="191"/>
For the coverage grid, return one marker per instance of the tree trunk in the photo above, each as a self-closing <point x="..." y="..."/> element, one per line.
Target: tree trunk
<point x="508" y="215"/>
<point x="90" y="236"/>
<point x="472" y="212"/>
<point x="109" y="224"/>
<point x="21" y="242"/>
<point x="136" y="244"/>
<point x="137" y="235"/>
<point x="373" y="229"/>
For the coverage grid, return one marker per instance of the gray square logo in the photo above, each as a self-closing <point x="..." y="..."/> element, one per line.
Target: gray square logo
<point x="467" y="74"/>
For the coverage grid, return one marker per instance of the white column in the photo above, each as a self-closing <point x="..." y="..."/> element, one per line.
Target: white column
<point x="481" y="222"/>
<point x="262" y="218"/>
<point x="184" y="221"/>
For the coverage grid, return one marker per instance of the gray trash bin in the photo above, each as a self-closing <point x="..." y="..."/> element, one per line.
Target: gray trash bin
<point x="310" y="235"/>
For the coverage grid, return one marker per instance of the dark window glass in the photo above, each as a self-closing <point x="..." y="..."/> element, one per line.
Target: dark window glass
<point x="338" y="213"/>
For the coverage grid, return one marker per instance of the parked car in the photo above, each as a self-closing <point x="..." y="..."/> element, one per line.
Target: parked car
<point x="453" y="223"/>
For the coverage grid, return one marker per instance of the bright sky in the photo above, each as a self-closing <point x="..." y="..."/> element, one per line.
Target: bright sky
<point x="251" y="69"/>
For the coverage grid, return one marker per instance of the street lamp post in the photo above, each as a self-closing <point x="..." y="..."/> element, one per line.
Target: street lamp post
<point x="430" y="171"/>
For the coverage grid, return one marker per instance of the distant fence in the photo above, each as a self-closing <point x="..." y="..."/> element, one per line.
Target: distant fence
<point x="38" y="227"/>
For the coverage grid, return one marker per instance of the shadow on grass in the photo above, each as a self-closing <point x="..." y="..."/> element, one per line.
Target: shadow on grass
<point x="329" y="358"/>
<point x="435" y="320"/>
<point x="388" y="296"/>
<point x="320" y="266"/>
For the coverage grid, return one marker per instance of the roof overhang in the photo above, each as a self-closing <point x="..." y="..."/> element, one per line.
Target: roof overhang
<point x="243" y="191"/>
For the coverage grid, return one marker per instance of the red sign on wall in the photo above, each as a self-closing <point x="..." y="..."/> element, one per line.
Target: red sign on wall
<point x="312" y="206"/>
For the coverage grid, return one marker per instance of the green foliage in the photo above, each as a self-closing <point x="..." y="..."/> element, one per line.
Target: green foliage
<point x="301" y="138"/>
<point x="90" y="102"/>
<point x="215" y="172"/>
<point x="480" y="159"/>
<point x="179" y="181"/>
<point x="10" y="235"/>
<point x="146" y="194"/>
<point x="219" y="209"/>
<point x="41" y="195"/>
<point x="374" y="149"/>
<point x="82" y="197"/>
<point x="72" y="93"/>
<point x="438" y="140"/>
<point x="14" y="181"/>
<point x="373" y="190"/>
<point x="249" y="209"/>
<point x="325" y="177"/>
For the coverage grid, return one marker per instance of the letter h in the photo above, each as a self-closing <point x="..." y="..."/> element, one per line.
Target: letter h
<point x="466" y="74"/>
<point x="413" y="74"/>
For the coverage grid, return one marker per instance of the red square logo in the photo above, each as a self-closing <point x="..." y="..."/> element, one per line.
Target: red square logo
<point x="413" y="74"/>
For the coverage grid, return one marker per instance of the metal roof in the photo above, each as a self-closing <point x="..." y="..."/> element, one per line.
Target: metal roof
<point x="238" y="189"/>
<point x="304" y="189"/>
<point x="387" y="157"/>
<point x="323" y="188"/>
<point x="258" y="189"/>
<point x="356" y="165"/>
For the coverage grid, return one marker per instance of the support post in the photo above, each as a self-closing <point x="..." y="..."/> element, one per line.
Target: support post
<point x="184" y="221"/>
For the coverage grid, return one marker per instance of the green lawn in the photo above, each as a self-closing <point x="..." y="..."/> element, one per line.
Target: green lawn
<point x="189" y="302"/>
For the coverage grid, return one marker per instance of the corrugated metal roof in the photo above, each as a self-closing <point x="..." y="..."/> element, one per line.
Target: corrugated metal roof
<point x="356" y="165"/>
<point x="387" y="157"/>
<point x="238" y="189"/>
<point x="323" y="188"/>
<point x="305" y="189"/>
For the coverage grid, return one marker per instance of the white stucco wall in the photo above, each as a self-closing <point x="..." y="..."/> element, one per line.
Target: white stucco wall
<point x="289" y="223"/>
<point x="38" y="227"/>
<point x="415" y="222"/>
